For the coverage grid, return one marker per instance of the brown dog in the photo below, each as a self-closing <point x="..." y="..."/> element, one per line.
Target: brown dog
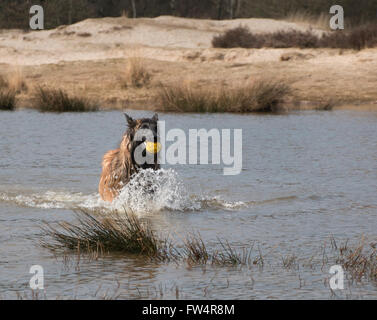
<point x="119" y="165"/>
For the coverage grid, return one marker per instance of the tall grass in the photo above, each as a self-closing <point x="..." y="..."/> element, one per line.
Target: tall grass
<point x="359" y="261"/>
<point x="7" y="99"/>
<point x="16" y="81"/>
<point x="57" y="100"/>
<point x="320" y="21"/>
<point x="99" y="232"/>
<point x="114" y="232"/>
<point x="262" y="96"/>
<point x="136" y="74"/>
<point x="357" y="38"/>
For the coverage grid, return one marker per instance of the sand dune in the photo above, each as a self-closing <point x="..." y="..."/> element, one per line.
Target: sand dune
<point x="89" y="57"/>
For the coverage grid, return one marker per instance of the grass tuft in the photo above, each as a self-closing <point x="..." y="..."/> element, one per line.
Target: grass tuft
<point x="110" y="233"/>
<point x="97" y="233"/>
<point x="57" y="100"/>
<point x="7" y="99"/>
<point x="136" y="74"/>
<point x="195" y="250"/>
<point x="358" y="261"/>
<point x="262" y="96"/>
<point x="229" y="256"/>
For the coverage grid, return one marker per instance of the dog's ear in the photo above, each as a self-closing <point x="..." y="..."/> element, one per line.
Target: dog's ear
<point x="130" y="121"/>
<point x="155" y="117"/>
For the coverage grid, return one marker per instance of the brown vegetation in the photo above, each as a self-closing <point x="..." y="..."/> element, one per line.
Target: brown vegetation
<point x="136" y="75"/>
<point x="57" y="100"/>
<point x="364" y="36"/>
<point x="262" y="96"/>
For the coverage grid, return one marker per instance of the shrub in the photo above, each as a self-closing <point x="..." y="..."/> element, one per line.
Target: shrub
<point x="239" y="37"/>
<point x="57" y="100"/>
<point x="357" y="38"/>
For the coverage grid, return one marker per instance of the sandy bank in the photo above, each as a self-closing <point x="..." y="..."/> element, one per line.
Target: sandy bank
<point x="89" y="59"/>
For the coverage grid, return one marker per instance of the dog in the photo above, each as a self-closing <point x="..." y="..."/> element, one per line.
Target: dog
<point x="140" y="141"/>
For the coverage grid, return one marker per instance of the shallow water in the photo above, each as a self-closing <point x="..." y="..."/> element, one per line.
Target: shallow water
<point x="306" y="177"/>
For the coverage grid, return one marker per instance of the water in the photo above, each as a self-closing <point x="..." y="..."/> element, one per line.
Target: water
<point x="306" y="177"/>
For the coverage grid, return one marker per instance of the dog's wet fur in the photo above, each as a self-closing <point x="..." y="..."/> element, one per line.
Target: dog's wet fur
<point x="119" y="165"/>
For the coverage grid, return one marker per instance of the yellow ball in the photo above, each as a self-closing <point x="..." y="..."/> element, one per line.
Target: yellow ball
<point x="153" y="147"/>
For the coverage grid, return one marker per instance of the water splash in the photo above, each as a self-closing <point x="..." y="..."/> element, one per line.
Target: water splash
<point x="148" y="191"/>
<point x="153" y="191"/>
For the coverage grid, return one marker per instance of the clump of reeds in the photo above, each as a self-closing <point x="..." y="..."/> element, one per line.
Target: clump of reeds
<point x="111" y="232"/>
<point x="7" y="99"/>
<point x="136" y="74"/>
<point x="360" y="262"/>
<point x="357" y="38"/>
<point x="195" y="250"/>
<point x="103" y="232"/>
<point x="262" y="96"/>
<point x="57" y="100"/>
<point x="229" y="256"/>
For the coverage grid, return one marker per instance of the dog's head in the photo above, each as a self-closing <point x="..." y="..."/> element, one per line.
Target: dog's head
<point x="144" y="141"/>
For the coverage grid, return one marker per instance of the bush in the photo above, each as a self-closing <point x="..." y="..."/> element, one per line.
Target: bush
<point x="57" y="100"/>
<point x="239" y="37"/>
<point x="358" y="38"/>
<point x="364" y="36"/>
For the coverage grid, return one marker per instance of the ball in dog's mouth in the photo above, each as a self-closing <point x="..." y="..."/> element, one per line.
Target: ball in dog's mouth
<point x="152" y="147"/>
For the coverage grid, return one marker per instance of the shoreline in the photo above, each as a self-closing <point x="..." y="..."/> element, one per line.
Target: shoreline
<point x="178" y="51"/>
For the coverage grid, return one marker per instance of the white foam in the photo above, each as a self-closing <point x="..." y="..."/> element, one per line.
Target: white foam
<point x="148" y="191"/>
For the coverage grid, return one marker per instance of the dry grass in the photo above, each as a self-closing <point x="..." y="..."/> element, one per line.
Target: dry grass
<point x="357" y="38"/>
<point x="57" y="100"/>
<point x="229" y="256"/>
<point x="262" y="96"/>
<point x="359" y="261"/>
<point x="108" y="233"/>
<point x="136" y="74"/>
<point x="195" y="250"/>
<point x="98" y="232"/>
<point x="307" y="18"/>
<point x="16" y="82"/>
<point x="7" y="99"/>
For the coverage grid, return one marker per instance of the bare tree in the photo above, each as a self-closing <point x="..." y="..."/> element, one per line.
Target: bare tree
<point x="231" y="6"/>
<point x="238" y="8"/>
<point x="133" y="8"/>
